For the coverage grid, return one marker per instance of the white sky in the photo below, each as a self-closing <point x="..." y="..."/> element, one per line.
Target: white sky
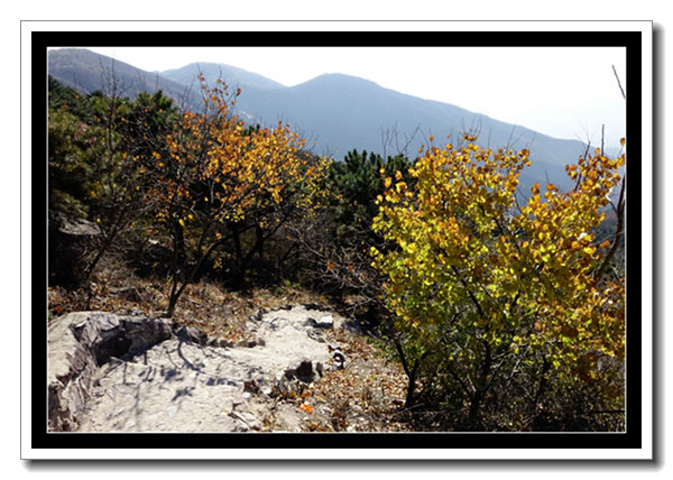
<point x="562" y="92"/>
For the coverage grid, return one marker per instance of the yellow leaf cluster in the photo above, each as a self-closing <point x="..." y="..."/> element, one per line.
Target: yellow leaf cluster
<point x="247" y="171"/>
<point x="468" y="252"/>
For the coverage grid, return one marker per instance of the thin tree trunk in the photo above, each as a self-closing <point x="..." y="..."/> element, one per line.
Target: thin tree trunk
<point x="410" y="371"/>
<point x="189" y="278"/>
<point x="481" y="387"/>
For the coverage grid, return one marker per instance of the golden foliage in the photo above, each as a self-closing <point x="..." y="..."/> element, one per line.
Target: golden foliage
<point x="471" y="273"/>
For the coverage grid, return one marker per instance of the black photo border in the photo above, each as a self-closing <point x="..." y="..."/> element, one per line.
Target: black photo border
<point x="41" y="439"/>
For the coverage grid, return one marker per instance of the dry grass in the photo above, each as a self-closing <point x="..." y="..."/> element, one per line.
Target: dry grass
<point x="213" y="309"/>
<point x="364" y="397"/>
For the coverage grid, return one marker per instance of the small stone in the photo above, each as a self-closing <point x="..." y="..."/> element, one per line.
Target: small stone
<point x="257" y="317"/>
<point x="266" y="390"/>
<point x="251" y="343"/>
<point x="313" y="335"/>
<point x="192" y="334"/>
<point x="248" y="419"/>
<point x="311" y="322"/>
<point x="326" y="322"/>
<point x="305" y="370"/>
<point x="339" y="359"/>
<point x="251" y="386"/>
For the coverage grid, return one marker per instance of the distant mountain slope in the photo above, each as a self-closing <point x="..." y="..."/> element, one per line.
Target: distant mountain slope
<point x="338" y="112"/>
<point x="87" y="71"/>
<point x="234" y="77"/>
<point x="342" y="113"/>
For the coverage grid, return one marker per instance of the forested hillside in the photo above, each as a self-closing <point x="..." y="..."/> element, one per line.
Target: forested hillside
<point x="501" y="311"/>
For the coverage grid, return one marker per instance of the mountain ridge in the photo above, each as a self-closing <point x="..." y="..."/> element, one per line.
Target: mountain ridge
<point x="336" y="112"/>
<point x="242" y="78"/>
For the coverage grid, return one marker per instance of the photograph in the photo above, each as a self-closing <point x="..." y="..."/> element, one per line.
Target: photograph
<point x="372" y="240"/>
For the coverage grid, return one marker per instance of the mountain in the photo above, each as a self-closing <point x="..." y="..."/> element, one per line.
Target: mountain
<point x="336" y="113"/>
<point x="341" y="112"/>
<point x="87" y="71"/>
<point x="234" y="76"/>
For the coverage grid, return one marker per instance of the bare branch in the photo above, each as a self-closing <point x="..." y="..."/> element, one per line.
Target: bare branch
<point x="614" y="70"/>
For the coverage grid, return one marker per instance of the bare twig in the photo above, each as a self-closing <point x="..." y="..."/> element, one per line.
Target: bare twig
<point x="614" y="70"/>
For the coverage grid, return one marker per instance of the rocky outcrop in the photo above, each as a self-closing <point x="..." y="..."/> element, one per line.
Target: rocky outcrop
<point x="136" y="374"/>
<point x="71" y="243"/>
<point x="78" y="344"/>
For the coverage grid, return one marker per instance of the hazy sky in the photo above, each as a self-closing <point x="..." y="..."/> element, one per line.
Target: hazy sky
<point x="562" y="92"/>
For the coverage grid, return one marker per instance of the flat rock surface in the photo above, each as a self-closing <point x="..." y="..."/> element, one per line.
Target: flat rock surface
<point x="183" y="386"/>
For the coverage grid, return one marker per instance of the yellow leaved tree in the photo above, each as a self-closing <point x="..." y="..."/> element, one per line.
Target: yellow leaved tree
<point x="499" y="307"/>
<point x="221" y="179"/>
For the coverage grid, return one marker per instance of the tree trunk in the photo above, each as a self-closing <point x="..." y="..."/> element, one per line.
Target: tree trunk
<point x="474" y="419"/>
<point x="172" y="301"/>
<point x="177" y="266"/>
<point x="408" y="370"/>
<point x="411" y="387"/>
<point x="189" y="278"/>
<point x="259" y="241"/>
